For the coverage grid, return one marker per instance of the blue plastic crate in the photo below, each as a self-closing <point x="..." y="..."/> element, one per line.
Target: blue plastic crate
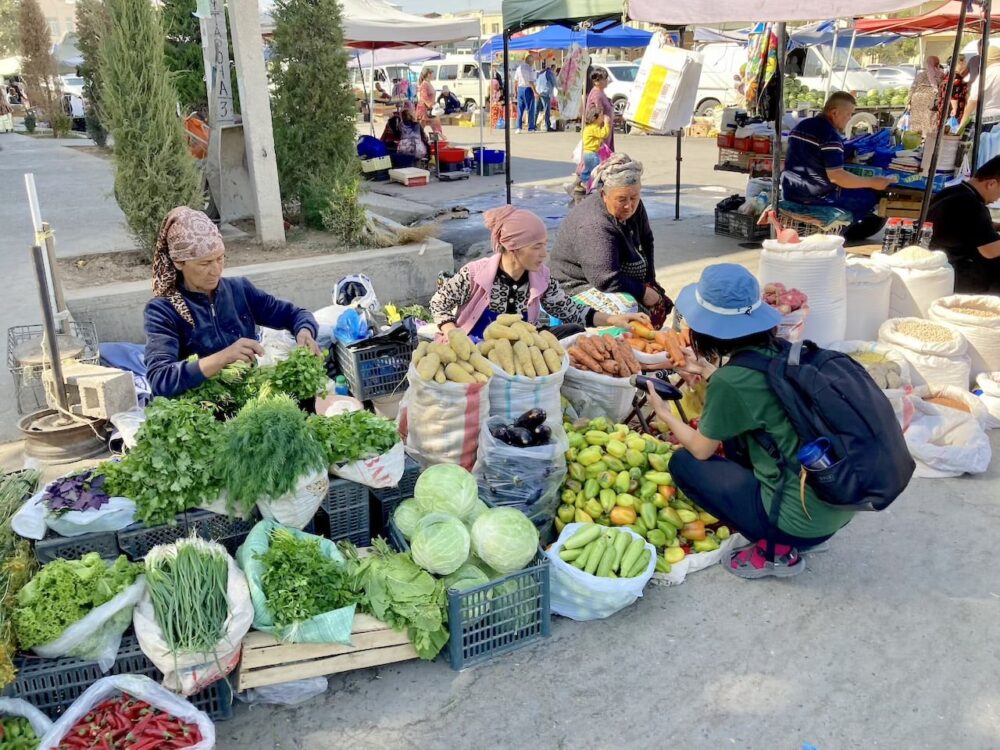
<point x="385" y="499"/>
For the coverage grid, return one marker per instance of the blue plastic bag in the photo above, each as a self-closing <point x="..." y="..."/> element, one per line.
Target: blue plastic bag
<point x="351" y="327"/>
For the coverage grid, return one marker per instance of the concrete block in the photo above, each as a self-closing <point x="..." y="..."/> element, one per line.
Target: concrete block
<point x="403" y="274"/>
<point x="95" y="391"/>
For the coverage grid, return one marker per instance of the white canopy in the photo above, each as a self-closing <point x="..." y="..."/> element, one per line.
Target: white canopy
<point x="694" y="12"/>
<point x="392" y="56"/>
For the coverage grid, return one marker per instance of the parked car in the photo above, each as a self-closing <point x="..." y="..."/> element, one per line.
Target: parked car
<point x="71" y="85"/>
<point x="465" y="77"/>
<point x="893" y="77"/>
<point x="621" y="76"/>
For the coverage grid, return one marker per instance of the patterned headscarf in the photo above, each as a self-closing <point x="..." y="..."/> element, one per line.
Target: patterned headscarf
<point x="185" y="234"/>
<point x="513" y="228"/>
<point x="620" y="170"/>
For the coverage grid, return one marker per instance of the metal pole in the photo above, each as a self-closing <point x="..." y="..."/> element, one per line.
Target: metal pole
<point x="482" y="104"/>
<point x="829" y="79"/>
<point x="371" y="92"/>
<point x="945" y="109"/>
<point x="505" y="76"/>
<point x="50" y="328"/>
<point x="847" y="62"/>
<point x="981" y="83"/>
<point x="779" y="118"/>
<point x="677" y="187"/>
<point x="50" y="252"/>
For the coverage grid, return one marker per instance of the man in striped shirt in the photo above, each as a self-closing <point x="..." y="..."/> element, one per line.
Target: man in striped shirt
<point x="814" y="163"/>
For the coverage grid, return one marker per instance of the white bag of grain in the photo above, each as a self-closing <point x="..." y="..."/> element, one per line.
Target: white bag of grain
<point x="936" y="352"/>
<point x="920" y="276"/>
<point x="869" y="292"/>
<point x="977" y="316"/>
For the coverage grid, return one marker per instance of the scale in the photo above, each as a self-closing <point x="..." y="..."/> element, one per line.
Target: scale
<point x="460" y="174"/>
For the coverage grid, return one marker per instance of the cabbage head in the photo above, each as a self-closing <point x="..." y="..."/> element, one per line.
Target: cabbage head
<point x="440" y="544"/>
<point x="446" y="488"/>
<point x="504" y="539"/>
<point x="477" y="510"/>
<point x="468" y="576"/>
<point x="406" y="516"/>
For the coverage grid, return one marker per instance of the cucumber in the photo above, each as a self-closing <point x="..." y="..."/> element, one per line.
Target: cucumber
<point x="607" y="560"/>
<point x="583" y="537"/>
<point x="640" y="565"/>
<point x="595" y="556"/>
<point x="581" y="561"/>
<point x="621" y="544"/>
<point x="569" y="555"/>
<point x="631" y="555"/>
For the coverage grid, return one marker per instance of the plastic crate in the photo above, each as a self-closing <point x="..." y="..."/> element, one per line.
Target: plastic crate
<point x="51" y="685"/>
<point x="137" y="540"/>
<point x="53" y="546"/>
<point x="385" y="499"/>
<point x="741" y="226"/>
<point x="500" y="616"/>
<point x="347" y="512"/>
<point x="376" y="370"/>
<point x="229" y="532"/>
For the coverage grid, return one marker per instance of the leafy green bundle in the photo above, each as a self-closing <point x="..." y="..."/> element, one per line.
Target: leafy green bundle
<point x="302" y="375"/>
<point x="265" y="450"/>
<point x="395" y="590"/>
<point x="188" y="585"/>
<point x="354" y="435"/>
<point x="19" y="562"/>
<point x="223" y="393"/>
<point x="63" y="592"/>
<point x="299" y="581"/>
<point x="172" y="466"/>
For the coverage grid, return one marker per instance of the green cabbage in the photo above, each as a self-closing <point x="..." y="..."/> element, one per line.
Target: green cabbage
<point x="440" y="544"/>
<point x="446" y="488"/>
<point x="477" y="510"/>
<point x="406" y="516"/>
<point x="468" y="576"/>
<point x="504" y="539"/>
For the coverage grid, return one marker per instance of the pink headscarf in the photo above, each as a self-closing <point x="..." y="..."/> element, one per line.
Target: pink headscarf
<point x="514" y="228"/>
<point x="185" y="234"/>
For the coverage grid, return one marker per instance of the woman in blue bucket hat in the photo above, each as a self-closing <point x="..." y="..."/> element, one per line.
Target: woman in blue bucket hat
<point x="726" y="314"/>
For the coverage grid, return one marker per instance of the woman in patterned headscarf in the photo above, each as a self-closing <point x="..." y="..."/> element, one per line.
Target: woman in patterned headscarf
<point x="196" y="311"/>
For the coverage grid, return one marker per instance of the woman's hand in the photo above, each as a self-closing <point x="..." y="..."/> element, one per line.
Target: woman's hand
<point x="305" y="338"/>
<point x="621" y="321"/>
<point x="698" y="445"/>
<point x="695" y="369"/>
<point x="651" y="297"/>
<point x="242" y="350"/>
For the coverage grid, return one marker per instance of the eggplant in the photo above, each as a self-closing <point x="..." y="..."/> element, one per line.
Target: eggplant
<point x="520" y="437"/>
<point x="542" y="434"/>
<point x="531" y="419"/>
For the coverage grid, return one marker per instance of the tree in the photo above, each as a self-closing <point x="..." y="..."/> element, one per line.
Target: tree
<point x="91" y="27"/>
<point x="38" y="66"/>
<point x="153" y="170"/>
<point x="314" y="136"/>
<point x="10" y="28"/>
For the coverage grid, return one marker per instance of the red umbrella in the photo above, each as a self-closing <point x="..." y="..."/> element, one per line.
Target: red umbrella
<point x="944" y="18"/>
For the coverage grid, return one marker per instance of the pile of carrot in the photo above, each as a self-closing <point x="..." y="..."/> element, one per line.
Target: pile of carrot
<point x="605" y="355"/>
<point x="671" y="343"/>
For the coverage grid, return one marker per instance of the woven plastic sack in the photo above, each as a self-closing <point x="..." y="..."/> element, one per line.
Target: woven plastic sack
<point x="816" y="266"/>
<point x="139" y="687"/>
<point x="869" y="292"/>
<point x="593" y="395"/>
<point x="982" y="333"/>
<point x="298" y="507"/>
<point x="187" y="672"/>
<point x="440" y="422"/>
<point x="380" y="471"/>
<point x="328" y="627"/>
<point x="916" y="283"/>
<point x="17" y="707"/>
<point x="581" y="596"/>
<point x="513" y="395"/>
<point x="937" y="363"/>
<point x="975" y="404"/>
<point x="697" y="561"/>
<point x="946" y="442"/>
<point x="97" y="636"/>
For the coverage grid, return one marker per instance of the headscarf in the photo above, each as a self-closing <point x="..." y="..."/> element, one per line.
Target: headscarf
<point x="619" y="170"/>
<point x="185" y="234"/>
<point x="993" y="56"/>
<point x="932" y="66"/>
<point x="513" y="228"/>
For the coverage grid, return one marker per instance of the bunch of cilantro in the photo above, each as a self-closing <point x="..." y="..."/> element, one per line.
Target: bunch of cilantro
<point x="63" y="592"/>
<point x="354" y="435"/>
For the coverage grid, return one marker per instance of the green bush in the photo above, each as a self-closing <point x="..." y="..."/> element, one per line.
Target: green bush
<point x="91" y="27"/>
<point x="30" y="123"/>
<point x="61" y="124"/>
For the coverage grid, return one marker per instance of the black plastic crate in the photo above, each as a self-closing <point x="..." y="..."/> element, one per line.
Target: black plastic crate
<point x="229" y="532"/>
<point x="385" y="499"/>
<point x="137" y="540"/>
<point x="740" y="226"/>
<point x="375" y="370"/>
<point x="500" y="616"/>
<point x="346" y="512"/>
<point x="52" y="546"/>
<point x="51" y="685"/>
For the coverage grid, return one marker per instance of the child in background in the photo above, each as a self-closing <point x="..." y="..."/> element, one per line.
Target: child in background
<point x="597" y="128"/>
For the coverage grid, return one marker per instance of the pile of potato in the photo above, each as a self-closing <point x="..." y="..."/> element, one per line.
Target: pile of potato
<point x="604" y="355"/>
<point x="457" y="361"/>
<point x="518" y="348"/>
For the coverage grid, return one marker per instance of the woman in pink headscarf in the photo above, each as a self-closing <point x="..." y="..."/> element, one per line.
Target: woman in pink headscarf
<point x="196" y="311"/>
<point x="513" y="280"/>
<point x="922" y="104"/>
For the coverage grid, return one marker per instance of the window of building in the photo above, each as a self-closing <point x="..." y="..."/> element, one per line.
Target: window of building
<point x="495" y="28"/>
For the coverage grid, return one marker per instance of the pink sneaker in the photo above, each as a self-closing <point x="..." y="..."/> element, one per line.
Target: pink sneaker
<point x="752" y="562"/>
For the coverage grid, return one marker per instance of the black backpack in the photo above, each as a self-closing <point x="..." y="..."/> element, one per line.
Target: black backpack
<point x="828" y="394"/>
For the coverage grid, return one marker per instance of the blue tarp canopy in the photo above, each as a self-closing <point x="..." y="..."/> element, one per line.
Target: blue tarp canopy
<point x="816" y="34"/>
<point x="601" y="36"/>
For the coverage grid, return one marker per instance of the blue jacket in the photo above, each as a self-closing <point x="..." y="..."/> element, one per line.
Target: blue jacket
<point x="234" y="312"/>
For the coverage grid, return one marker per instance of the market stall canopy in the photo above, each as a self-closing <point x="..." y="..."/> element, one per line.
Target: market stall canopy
<point x="615" y="36"/>
<point x="944" y="18"/>
<point x="374" y="24"/>
<point x="392" y="56"/>
<point x="825" y="32"/>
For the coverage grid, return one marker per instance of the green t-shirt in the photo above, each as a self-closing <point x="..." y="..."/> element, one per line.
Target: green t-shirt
<point x="738" y="402"/>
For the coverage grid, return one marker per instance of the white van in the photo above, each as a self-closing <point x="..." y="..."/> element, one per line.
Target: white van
<point x="812" y="66"/>
<point x="361" y="78"/>
<point x="462" y="74"/>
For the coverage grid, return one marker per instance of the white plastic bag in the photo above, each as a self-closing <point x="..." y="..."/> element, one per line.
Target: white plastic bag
<point x="793" y="325"/>
<point x="17" y="707"/>
<point x="286" y="693"/>
<point x="593" y="395"/>
<point x="529" y="479"/>
<point x="97" y="636"/>
<point x="128" y="423"/>
<point x="139" y="687"/>
<point x="989" y="384"/>
<point x="982" y="333"/>
<point x="379" y="471"/>
<point x="946" y="442"/>
<point x="513" y="395"/>
<point x="815" y="266"/>
<point x="581" y="596"/>
<point x="697" y="561"/>
<point x="931" y="363"/>
<point x="869" y="292"/>
<point x="976" y="407"/>
<point x="440" y="422"/>
<point x="188" y="673"/>
<point x="578" y="152"/>
<point x="916" y="283"/>
<point x="277" y="346"/>
<point x="32" y="518"/>
<point x="297" y="508"/>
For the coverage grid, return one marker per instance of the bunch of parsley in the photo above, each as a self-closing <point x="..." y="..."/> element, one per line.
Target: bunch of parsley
<point x="353" y="435"/>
